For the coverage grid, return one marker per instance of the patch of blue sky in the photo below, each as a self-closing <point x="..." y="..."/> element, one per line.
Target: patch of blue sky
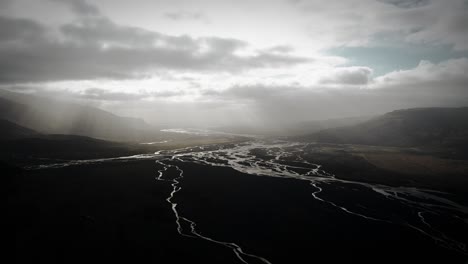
<point x="384" y="58"/>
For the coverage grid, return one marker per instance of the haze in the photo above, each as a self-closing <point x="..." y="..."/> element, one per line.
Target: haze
<point x="249" y="131"/>
<point x="251" y="63"/>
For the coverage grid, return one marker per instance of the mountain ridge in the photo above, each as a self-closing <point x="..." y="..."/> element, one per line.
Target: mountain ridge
<point x="431" y="126"/>
<point x="51" y="116"/>
<point x="10" y="130"/>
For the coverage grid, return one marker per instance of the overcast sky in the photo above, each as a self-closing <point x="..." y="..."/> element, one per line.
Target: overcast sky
<point x="252" y="62"/>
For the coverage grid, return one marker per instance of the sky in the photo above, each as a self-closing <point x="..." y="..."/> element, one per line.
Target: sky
<point x="223" y="63"/>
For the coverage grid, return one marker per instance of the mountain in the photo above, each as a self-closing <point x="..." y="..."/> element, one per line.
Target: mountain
<point x="64" y="147"/>
<point x="23" y="145"/>
<point x="446" y="127"/>
<point x="294" y="129"/>
<point x="9" y="130"/>
<point x="51" y="116"/>
<point x="318" y="125"/>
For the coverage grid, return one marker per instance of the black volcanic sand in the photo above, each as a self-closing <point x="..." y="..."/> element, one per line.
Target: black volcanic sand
<point x="116" y="212"/>
<point x="278" y="219"/>
<point x="103" y="213"/>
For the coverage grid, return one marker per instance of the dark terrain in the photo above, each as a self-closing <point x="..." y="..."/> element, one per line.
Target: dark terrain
<point x="116" y="210"/>
<point x="418" y="127"/>
<point x="49" y="116"/>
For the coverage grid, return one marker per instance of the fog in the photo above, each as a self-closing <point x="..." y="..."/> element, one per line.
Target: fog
<point x="262" y="65"/>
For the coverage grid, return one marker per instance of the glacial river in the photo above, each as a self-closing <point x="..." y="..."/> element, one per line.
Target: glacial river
<point x="288" y="160"/>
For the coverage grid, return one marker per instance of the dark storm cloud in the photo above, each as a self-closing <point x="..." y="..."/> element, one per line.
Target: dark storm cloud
<point x="102" y="30"/>
<point x="406" y="3"/>
<point x="4" y="3"/>
<point x="15" y="29"/>
<point x="98" y="48"/>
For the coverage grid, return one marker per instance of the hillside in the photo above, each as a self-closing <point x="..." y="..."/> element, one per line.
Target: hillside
<point x="313" y="126"/>
<point x="9" y="130"/>
<point x="294" y="129"/>
<point x="50" y="116"/>
<point x="55" y="148"/>
<point x="443" y="127"/>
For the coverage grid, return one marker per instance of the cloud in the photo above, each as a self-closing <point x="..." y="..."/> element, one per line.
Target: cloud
<point x="81" y="7"/>
<point x="18" y="30"/>
<point x="105" y="95"/>
<point x="406" y="3"/>
<point x="97" y="94"/>
<point x="447" y="23"/>
<point x="202" y="79"/>
<point x="274" y="105"/>
<point x="357" y="23"/>
<point x="427" y="85"/>
<point x="348" y="76"/>
<point x="109" y="95"/>
<point x="98" y="48"/>
<point x="448" y="72"/>
<point x="256" y="92"/>
<point x="103" y="31"/>
<point x="281" y="49"/>
<point x="5" y="4"/>
<point x="185" y="15"/>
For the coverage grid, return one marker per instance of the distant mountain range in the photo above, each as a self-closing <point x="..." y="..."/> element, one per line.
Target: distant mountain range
<point x="445" y="127"/>
<point x="50" y="116"/>
<point x="294" y="129"/>
<point x="313" y="126"/>
<point x="28" y="116"/>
